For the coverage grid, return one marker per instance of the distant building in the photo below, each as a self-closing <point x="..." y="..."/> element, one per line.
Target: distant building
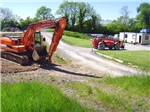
<point x="105" y="22"/>
<point x="131" y="37"/>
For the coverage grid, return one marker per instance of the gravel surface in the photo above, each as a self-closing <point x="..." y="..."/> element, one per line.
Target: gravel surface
<point x="136" y="47"/>
<point x="81" y="55"/>
<point x="88" y="58"/>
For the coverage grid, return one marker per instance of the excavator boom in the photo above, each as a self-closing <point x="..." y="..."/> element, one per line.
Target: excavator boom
<point x="60" y="26"/>
<point x="36" y="26"/>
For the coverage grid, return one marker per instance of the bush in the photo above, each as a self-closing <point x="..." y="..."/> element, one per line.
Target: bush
<point x="72" y="34"/>
<point x="5" y="29"/>
<point x="125" y="40"/>
<point x="50" y="30"/>
<point x="76" y="34"/>
<point x="118" y="38"/>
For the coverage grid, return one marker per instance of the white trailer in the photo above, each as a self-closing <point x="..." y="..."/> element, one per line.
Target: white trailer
<point x="132" y="37"/>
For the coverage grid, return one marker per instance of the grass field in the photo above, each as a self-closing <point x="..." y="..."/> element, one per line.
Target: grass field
<point x="73" y="34"/>
<point x="129" y="92"/>
<point x="36" y="97"/>
<point x="121" y="94"/>
<point x="137" y="84"/>
<point x="138" y="58"/>
<point x="77" y="41"/>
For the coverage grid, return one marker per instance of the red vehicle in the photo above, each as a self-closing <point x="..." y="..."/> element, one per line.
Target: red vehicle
<point x="103" y="41"/>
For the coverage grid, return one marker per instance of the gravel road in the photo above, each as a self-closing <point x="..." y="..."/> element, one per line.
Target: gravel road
<point x="88" y="58"/>
<point x="136" y="47"/>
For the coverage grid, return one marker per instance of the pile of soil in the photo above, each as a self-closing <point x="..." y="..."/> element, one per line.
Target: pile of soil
<point x="12" y="67"/>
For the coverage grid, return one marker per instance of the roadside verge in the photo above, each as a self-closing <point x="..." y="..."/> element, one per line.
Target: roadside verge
<point x="120" y="61"/>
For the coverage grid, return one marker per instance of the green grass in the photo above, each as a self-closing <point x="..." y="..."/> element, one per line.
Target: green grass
<point x="5" y="29"/>
<point x="59" y="59"/>
<point x="51" y="30"/>
<point x="129" y="93"/>
<point x="139" y="58"/>
<point x="114" y="102"/>
<point x="117" y="93"/>
<point x="137" y="84"/>
<point x="72" y="34"/>
<point x="16" y="35"/>
<point x="82" y="89"/>
<point x="73" y="38"/>
<point x="77" y="41"/>
<point x="36" y="97"/>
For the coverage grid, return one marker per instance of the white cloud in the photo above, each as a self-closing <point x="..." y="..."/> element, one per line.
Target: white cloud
<point x="25" y="16"/>
<point x="30" y="13"/>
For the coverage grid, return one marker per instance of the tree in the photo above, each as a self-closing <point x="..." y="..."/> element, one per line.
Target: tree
<point x="87" y="27"/>
<point x="125" y="14"/>
<point x="144" y="15"/>
<point x="117" y="26"/>
<point x="44" y="13"/>
<point x="80" y="16"/>
<point x="76" y="13"/>
<point x="95" y="21"/>
<point x="6" y="13"/>
<point x="92" y="25"/>
<point x="25" y="23"/>
<point x="83" y="14"/>
<point x="73" y="15"/>
<point x="64" y="10"/>
<point x="8" y="19"/>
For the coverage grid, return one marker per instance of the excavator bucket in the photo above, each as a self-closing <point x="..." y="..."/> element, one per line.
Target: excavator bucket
<point x="39" y="53"/>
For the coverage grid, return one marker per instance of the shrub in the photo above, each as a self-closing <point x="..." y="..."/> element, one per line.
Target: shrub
<point x="50" y="30"/>
<point x="118" y="38"/>
<point x="125" y="40"/>
<point x="5" y="29"/>
<point x="72" y="34"/>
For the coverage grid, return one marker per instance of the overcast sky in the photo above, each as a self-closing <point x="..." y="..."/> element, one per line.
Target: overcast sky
<point x="107" y="9"/>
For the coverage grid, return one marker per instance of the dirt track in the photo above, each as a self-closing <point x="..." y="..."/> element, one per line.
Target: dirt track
<point x="88" y="58"/>
<point x="11" y="67"/>
<point x="62" y="73"/>
<point x="79" y="55"/>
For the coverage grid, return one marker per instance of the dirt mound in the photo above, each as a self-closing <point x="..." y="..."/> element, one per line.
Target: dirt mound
<point x="11" y="67"/>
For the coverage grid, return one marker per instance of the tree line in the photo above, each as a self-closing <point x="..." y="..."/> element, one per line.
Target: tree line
<point x="82" y="17"/>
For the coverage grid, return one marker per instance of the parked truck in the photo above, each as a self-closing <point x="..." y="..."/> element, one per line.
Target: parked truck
<point x="101" y="42"/>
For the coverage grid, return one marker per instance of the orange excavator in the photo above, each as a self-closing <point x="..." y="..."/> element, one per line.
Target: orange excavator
<point x="19" y="49"/>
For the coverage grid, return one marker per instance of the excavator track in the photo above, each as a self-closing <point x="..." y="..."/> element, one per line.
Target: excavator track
<point x="21" y="59"/>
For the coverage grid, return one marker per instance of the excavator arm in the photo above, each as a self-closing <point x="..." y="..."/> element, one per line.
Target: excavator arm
<point x="60" y="26"/>
<point x="37" y="26"/>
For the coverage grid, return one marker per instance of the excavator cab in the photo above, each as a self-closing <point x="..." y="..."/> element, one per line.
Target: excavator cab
<point x="40" y="51"/>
